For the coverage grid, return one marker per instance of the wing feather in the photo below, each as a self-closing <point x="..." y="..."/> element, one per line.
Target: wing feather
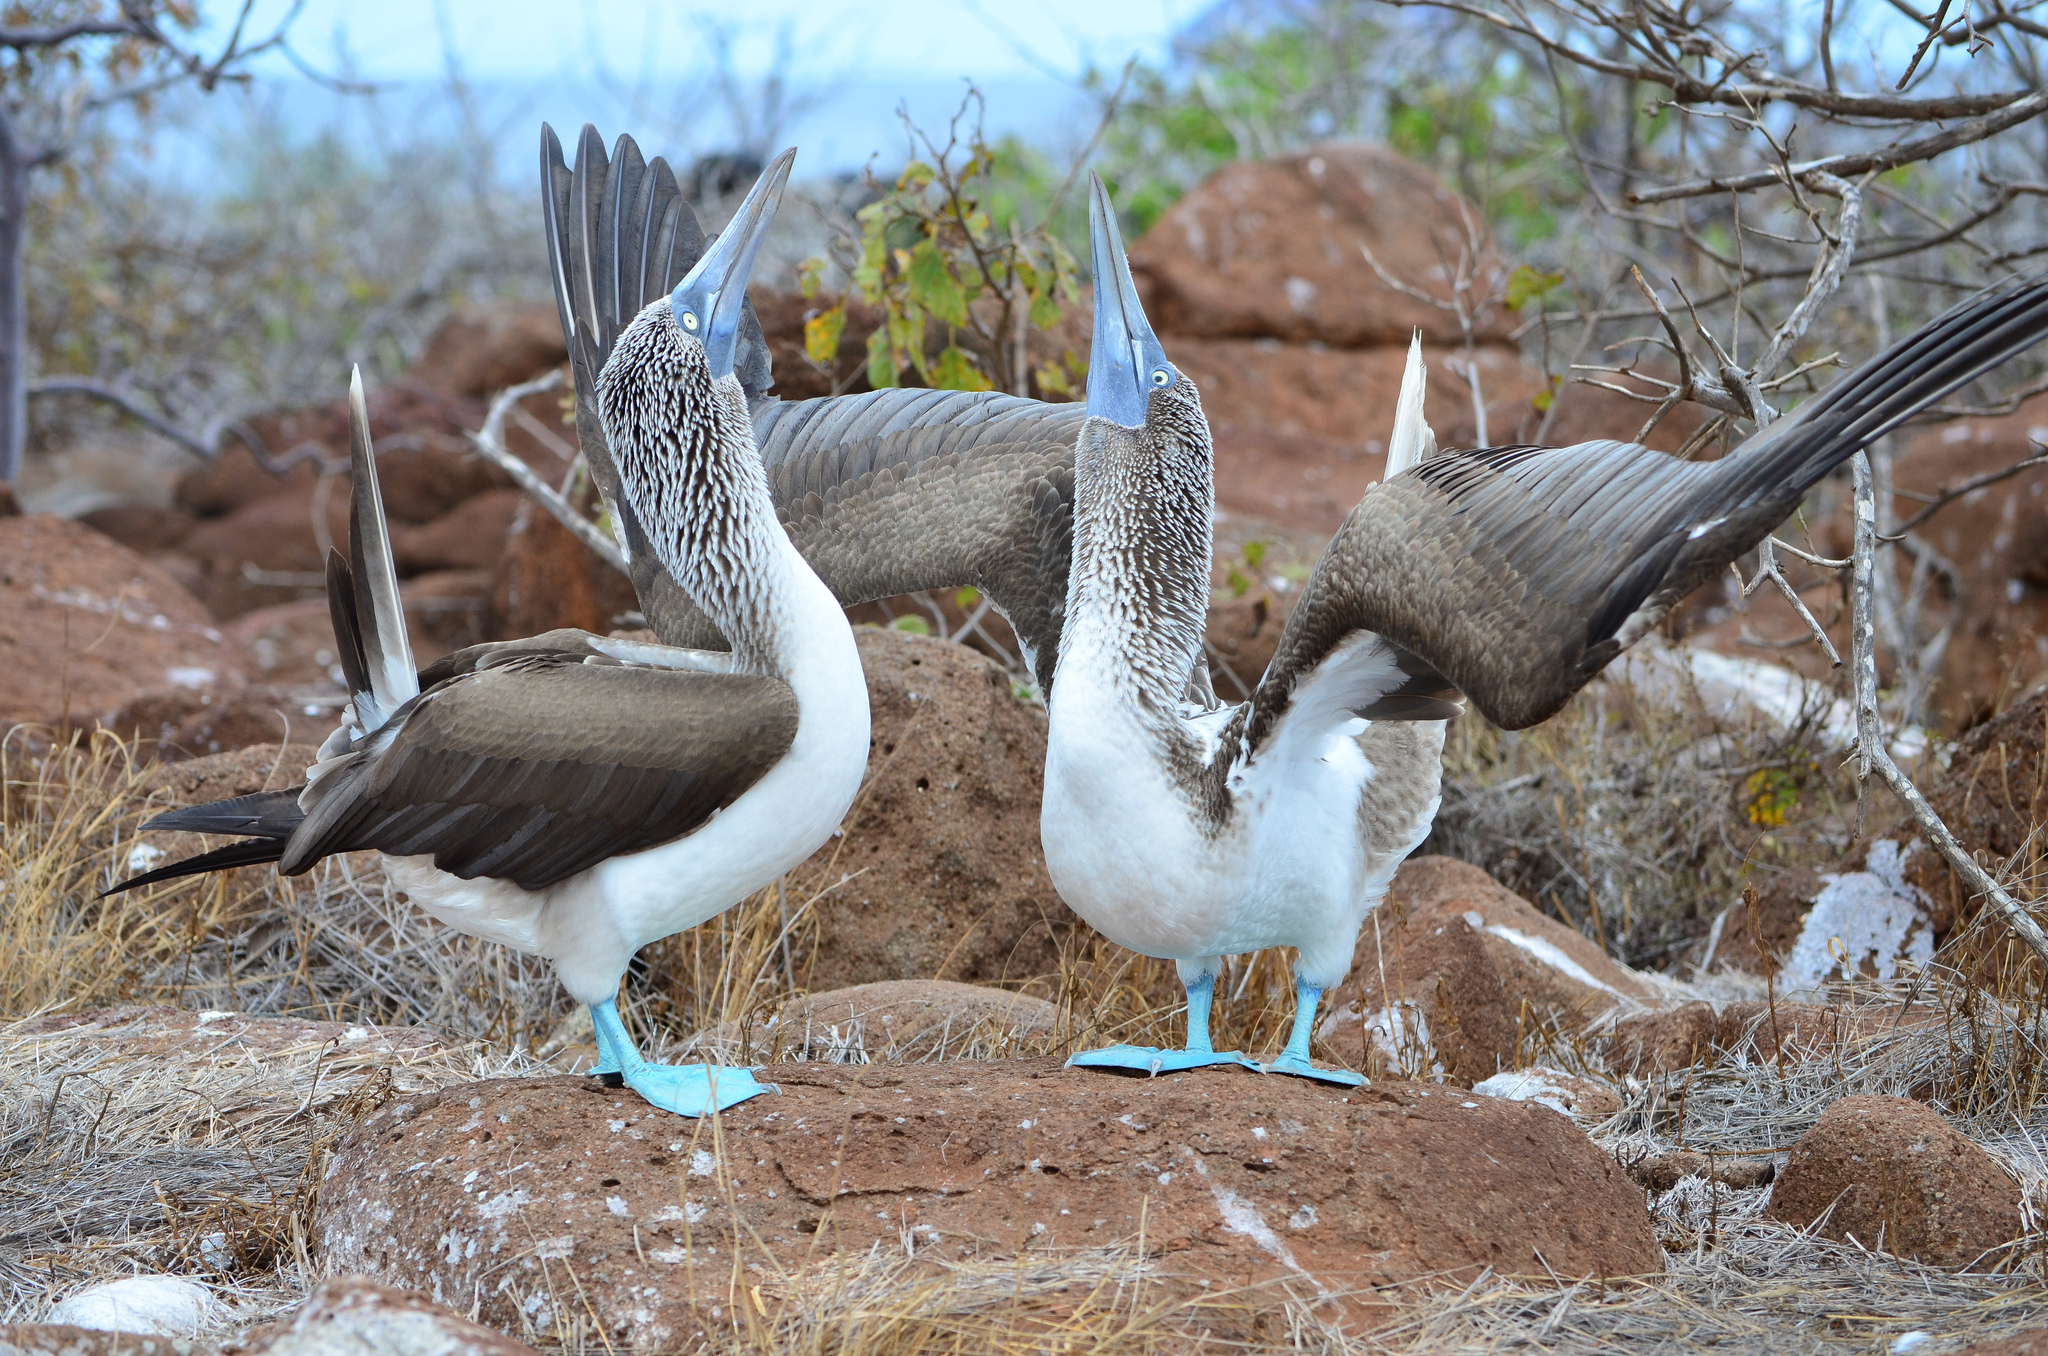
<point x="1518" y="573"/>
<point x="537" y="768"/>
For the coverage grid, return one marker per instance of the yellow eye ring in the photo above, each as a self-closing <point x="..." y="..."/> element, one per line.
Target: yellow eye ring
<point x="1160" y="376"/>
<point x="690" y="320"/>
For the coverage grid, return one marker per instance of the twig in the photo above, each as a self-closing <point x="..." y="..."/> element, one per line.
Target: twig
<point x="1943" y="498"/>
<point x="490" y="441"/>
<point x="1871" y="754"/>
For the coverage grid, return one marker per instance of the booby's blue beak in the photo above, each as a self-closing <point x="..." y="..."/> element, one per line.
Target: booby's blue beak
<point x="1125" y="362"/>
<point x="708" y="301"/>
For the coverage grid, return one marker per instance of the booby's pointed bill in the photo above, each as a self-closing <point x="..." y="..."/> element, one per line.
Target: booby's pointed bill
<point x="710" y="297"/>
<point x="1125" y="362"/>
<point x="380" y="617"/>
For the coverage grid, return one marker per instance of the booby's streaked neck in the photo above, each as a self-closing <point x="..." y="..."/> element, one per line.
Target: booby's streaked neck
<point x="1143" y="535"/>
<point x="683" y="443"/>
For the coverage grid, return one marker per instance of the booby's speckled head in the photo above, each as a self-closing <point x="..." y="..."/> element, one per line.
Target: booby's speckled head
<point x="708" y="301"/>
<point x="1126" y="365"/>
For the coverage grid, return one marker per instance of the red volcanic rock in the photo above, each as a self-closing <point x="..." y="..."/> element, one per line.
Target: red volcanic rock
<point x="1277" y="249"/>
<point x="1455" y="968"/>
<point x="947" y="877"/>
<point x="469" y="536"/>
<point x="480" y="350"/>
<point x="1301" y="431"/>
<point x="483" y="1195"/>
<point x="1895" y="1176"/>
<point x="87" y="625"/>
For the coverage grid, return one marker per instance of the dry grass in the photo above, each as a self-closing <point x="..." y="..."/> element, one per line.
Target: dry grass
<point x="1636" y="815"/>
<point x="116" y="1158"/>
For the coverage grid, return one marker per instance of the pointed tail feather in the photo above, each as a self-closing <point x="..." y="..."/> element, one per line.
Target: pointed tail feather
<point x="249" y="852"/>
<point x="266" y="814"/>
<point x="391" y="677"/>
<point x="1413" y="442"/>
<point x="1948" y="352"/>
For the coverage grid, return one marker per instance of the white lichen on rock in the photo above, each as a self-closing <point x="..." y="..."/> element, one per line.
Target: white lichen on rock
<point x="1871" y="918"/>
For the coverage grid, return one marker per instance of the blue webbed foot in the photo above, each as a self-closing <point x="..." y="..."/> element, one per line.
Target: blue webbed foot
<point x="1148" y="1060"/>
<point x="693" y="1089"/>
<point x="1301" y="1068"/>
<point x="1294" y="1059"/>
<point x="685" y="1089"/>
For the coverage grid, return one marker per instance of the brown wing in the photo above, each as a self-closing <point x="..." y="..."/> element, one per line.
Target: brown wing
<point x="1517" y="573"/>
<point x="536" y="769"/>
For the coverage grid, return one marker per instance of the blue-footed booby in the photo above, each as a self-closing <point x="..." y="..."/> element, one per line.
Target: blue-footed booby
<point x="574" y="796"/>
<point x="1506" y="576"/>
<point x="884" y="492"/>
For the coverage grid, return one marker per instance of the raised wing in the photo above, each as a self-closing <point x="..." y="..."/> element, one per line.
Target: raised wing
<point x="1517" y="573"/>
<point x="538" y="768"/>
<point x="884" y="492"/>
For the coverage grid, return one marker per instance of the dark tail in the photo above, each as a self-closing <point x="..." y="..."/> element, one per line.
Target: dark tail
<point x="268" y="817"/>
<point x="1789" y="457"/>
<point x="248" y="852"/>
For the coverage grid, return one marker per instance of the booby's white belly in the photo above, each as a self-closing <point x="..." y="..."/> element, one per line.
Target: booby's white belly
<point x="590" y="924"/>
<point x="1128" y="853"/>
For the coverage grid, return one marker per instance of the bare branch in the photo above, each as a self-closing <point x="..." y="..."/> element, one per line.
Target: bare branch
<point x="1945" y="497"/>
<point x="1889" y="157"/>
<point x="128" y="405"/>
<point x="490" y="441"/>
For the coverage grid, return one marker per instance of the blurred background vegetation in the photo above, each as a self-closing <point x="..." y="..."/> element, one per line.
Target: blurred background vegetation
<point x="303" y="244"/>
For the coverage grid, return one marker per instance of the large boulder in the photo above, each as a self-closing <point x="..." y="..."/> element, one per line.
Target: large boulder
<point x="485" y="1194"/>
<point x="1277" y="249"/>
<point x="545" y="577"/>
<point x="1454" y="970"/>
<point x="480" y="350"/>
<point x="939" y="874"/>
<point x="1896" y="1177"/>
<point x="1301" y="431"/>
<point x="87" y="625"/>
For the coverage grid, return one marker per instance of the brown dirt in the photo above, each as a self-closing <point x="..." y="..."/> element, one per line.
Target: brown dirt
<point x="1232" y="1177"/>
<point x="947" y="877"/>
<point x="274" y="534"/>
<point x="1658" y="1042"/>
<point x="178" y="1034"/>
<point x="2032" y="1342"/>
<point x="896" y="1021"/>
<point x="1992" y="797"/>
<point x="1275" y="249"/>
<point x="1899" y="1179"/>
<point x="86" y="626"/>
<point x="480" y="350"/>
<point x="1477" y="992"/>
<point x="1658" y="1173"/>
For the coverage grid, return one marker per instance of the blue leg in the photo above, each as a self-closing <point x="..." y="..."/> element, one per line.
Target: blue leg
<point x="1294" y="1059"/>
<point x="1147" y="1060"/>
<point x="606" y="1070"/>
<point x="686" y="1089"/>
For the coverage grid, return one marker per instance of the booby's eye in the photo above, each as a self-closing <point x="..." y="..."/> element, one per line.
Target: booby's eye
<point x="690" y="321"/>
<point x="1161" y="377"/>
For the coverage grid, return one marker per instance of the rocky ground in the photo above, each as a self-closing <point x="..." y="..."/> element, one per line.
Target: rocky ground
<point x="1615" y="1102"/>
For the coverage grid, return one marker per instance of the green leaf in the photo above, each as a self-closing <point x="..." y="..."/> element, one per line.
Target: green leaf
<point x="1254" y="553"/>
<point x="822" y="334"/>
<point x="881" y="361"/>
<point x="1527" y="284"/>
<point x="933" y="286"/>
<point x="1053" y="377"/>
<point x="916" y="177"/>
<point x="1295" y="574"/>
<point x="967" y="599"/>
<point x="810" y="276"/>
<point x="917" y="626"/>
<point x="955" y="371"/>
<point x="1239" y="582"/>
<point x="1045" y="311"/>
